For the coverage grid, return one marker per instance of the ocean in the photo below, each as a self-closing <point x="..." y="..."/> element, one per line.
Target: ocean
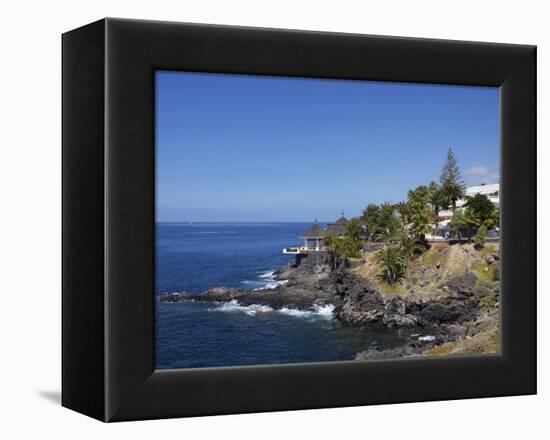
<point x="192" y="257"/>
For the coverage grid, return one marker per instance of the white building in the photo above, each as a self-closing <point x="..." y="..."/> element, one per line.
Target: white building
<point x="491" y="190"/>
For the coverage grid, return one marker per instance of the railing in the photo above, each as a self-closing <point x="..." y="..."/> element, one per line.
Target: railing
<point x="298" y="249"/>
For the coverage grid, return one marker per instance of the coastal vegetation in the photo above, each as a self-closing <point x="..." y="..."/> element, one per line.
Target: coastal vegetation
<point x="480" y="236"/>
<point x="393" y="264"/>
<point x="347" y="246"/>
<point x="401" y="228"/>
<point x="480" y="213"/>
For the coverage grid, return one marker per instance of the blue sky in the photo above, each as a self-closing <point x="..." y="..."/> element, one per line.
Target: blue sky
<point x="259" y="148"/>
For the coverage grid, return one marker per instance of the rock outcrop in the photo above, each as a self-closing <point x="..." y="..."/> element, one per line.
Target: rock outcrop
<point x="356" y="300"/>
<point x="294" y="298"/>
<point x="444" y="317"/>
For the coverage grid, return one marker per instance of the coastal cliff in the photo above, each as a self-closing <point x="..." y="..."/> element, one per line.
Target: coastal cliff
<point x="449" y="303"/>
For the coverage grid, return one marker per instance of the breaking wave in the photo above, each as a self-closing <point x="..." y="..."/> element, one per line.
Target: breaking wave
<point x="234" y="306"/>
<point x="266" y="280"/>
<point x="318" y="310"/>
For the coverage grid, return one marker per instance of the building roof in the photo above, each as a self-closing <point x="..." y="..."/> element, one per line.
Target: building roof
<point x="338" y="227"/>
<point x="487" y="189"/>
<point x="341" y="221"/>
<point x="314" y="231"/>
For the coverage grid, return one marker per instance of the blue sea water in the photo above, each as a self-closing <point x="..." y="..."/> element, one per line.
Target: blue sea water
<point x="195" y="257"/>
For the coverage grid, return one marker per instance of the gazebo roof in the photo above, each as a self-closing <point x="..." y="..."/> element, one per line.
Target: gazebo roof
<point x="314" y="231"/>
<point x="338" y="227"/>
<point x="341" y="221"/>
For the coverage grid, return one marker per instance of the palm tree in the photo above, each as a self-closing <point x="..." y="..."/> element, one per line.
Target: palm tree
<point x="393" y="265"/>
<point x="421" y="222"/>
<point x="386" y="214"/>
<point x="389" y="231"/>
<point x="418" y="196"/>
<point x="403" y="210"/>
<point x="409" y="245"/>
<point x="452" y="192"/>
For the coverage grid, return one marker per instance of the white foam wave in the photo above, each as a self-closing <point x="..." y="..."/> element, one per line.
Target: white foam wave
<point x="270" y="275"/>
<point x="234" y="306"/>
<point x="325" y="311"/>
<point x="296" y="312"/>
<point x="265" y="281"/>
<point x="318" y="310"/>
<point x="272" y="285"/>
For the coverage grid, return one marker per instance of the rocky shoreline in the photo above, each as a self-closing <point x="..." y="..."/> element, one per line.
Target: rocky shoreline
<point x="447" y="317"/>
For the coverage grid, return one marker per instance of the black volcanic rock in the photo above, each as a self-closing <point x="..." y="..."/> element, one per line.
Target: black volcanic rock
<point x="275" y="298"/>
<point x="462" y="285"/>
<point x="361" y="301"/>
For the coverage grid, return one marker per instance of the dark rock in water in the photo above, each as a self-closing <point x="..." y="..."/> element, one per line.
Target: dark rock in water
<point x="216" y="294"/>
<point x="275" y="298"/>
<point x="171" y="297"/>
<point x="220" y="294"/>
<point x="361" y="301"/>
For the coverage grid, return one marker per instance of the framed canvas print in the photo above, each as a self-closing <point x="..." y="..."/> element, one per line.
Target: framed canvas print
<point x="261" y="220"/>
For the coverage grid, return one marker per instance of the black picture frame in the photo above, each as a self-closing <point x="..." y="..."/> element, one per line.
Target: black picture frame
<point x="108" y="219"/>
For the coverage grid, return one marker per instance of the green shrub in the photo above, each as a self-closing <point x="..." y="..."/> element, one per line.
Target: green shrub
<point x="457" y="223"/>
<point x="481" y="235"/>
<point x="393" y="264"/>
<point x="344" y="246"/>
<point x="480" y="211"/>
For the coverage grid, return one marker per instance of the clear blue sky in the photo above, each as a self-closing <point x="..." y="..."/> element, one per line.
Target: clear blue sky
<point x="257" y="148"/>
